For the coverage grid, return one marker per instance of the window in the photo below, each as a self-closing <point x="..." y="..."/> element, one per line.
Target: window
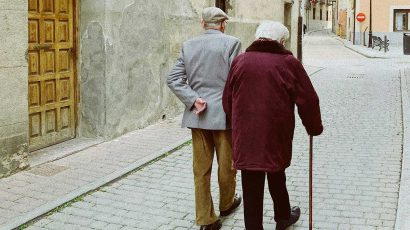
<point x="320" y="15"/>
<point x="401" y="20"/>
<point x="221" y="4"/>
<point x="327" y="15"/>
<point x="314" y="12"/>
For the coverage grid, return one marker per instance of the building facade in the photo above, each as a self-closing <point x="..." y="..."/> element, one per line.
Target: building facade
<point x="318" y="14"/>
<point x="97" y="68"/>
<point x="390" y="18"/>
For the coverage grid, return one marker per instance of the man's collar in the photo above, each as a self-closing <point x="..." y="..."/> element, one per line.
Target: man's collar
<point x="212" y="31"/>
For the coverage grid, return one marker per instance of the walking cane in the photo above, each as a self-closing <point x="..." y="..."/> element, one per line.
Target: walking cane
<point x="310" y="181"/>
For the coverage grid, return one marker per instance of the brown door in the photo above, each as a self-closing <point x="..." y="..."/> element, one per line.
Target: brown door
<point x="51" y="80"/>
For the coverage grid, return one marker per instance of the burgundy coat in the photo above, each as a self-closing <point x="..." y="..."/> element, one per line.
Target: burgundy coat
<point x="263" y="87"/>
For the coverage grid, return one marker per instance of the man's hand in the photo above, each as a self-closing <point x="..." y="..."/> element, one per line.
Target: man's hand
<point x="199" y="106"/>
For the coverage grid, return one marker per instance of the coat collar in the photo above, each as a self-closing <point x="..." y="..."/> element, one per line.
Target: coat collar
<point x="212" y="31"/>
<point x="268" y="47"/>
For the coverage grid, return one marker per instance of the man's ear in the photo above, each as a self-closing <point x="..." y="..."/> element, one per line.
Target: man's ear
<point x="223" y="27"/>
<point x="202" y="23"/>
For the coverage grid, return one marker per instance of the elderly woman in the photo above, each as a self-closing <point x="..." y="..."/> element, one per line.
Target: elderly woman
<point x="263" y="87"/>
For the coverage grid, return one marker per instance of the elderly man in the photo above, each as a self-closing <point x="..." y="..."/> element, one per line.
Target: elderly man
<point x="260" y="95"/>
<point x="198" y="79"/>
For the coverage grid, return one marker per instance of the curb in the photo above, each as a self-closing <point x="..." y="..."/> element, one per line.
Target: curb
<point x="348" y="46"/>
<point x="363" y="53"/>
<point x="356" y="51"/>
<point x="403" y="207"/>
<point x="316" y="71"/>
<point x="341" y="41"/>
<point x="44" y="209"/>
<point x="312" y="31"/>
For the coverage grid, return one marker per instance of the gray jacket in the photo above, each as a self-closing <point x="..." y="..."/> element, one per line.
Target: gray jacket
<point x="201" y="71"/>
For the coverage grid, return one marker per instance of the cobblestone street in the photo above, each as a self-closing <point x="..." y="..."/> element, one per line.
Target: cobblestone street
<point x="357" y="160"/>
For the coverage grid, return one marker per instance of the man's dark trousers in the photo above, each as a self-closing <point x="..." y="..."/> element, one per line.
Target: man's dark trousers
<point x="253" y="186"/>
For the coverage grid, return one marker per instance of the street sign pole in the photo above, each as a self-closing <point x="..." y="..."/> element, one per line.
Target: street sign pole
<point x="370" y="27"/>
<point x="354" y="23"/>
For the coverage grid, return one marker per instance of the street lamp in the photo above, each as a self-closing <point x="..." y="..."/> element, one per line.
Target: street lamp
<point x="370" y="26"/>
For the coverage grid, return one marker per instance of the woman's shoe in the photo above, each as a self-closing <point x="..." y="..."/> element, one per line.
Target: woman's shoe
<point x="294" y="217"/>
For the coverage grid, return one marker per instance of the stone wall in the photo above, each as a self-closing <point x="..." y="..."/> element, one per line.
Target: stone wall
<point x="13" y="87"/>
<point x="128" y="48"/>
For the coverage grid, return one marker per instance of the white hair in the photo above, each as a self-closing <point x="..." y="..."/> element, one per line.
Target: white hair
<point x="272" y="30"/>
<point x="212" y="25"/>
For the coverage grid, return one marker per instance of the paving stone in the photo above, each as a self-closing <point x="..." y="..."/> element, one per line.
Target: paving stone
<point x="98" y="224"/>
<point x="42" y="222"/>
<point x="56" y="225"/>
<point x="113" y="227"/>
<point x="35" y="228"/>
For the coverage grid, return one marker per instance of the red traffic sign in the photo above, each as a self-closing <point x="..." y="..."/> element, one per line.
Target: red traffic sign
<point x="360" y="17"/>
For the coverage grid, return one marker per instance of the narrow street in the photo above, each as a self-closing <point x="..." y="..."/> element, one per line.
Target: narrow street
<point x="357" y="160"/>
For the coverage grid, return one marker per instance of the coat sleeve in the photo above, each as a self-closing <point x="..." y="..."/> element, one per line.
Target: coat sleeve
<point x="235" y="50"/>
<point x="177" y="82"/>
<point x="306" y="99"/>
<point x="227" y="94"/>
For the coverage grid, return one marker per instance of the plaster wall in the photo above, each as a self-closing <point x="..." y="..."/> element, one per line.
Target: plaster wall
<point x="345" y="4"/>
<point x="259" y="9"/>
<point x="382" y="18"/>
<point x="13" y="87"/>
<point x="127" y="48"/>
<point x="251" y="13"/>
<point x="317" y="24"/>
<point x="382" y="13"/>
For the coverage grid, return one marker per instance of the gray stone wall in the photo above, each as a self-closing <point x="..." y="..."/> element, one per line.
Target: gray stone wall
<point x="128" y="48"/>
<point x="13" y="87"/>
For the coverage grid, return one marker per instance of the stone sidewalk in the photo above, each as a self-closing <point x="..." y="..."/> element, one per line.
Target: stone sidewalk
<point x="31" y="193"/>
<point x="394" y="52"/>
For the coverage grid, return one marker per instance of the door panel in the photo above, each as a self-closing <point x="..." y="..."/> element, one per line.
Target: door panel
<point x="51" y="67"/>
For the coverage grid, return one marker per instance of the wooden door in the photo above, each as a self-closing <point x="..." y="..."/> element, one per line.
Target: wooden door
<point x="51" y="68"/>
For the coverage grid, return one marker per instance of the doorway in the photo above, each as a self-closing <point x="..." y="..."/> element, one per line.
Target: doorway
<point x="52" y="81"/>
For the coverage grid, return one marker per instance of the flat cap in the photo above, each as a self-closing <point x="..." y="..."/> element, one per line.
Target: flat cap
<point x="213" y="15"/>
